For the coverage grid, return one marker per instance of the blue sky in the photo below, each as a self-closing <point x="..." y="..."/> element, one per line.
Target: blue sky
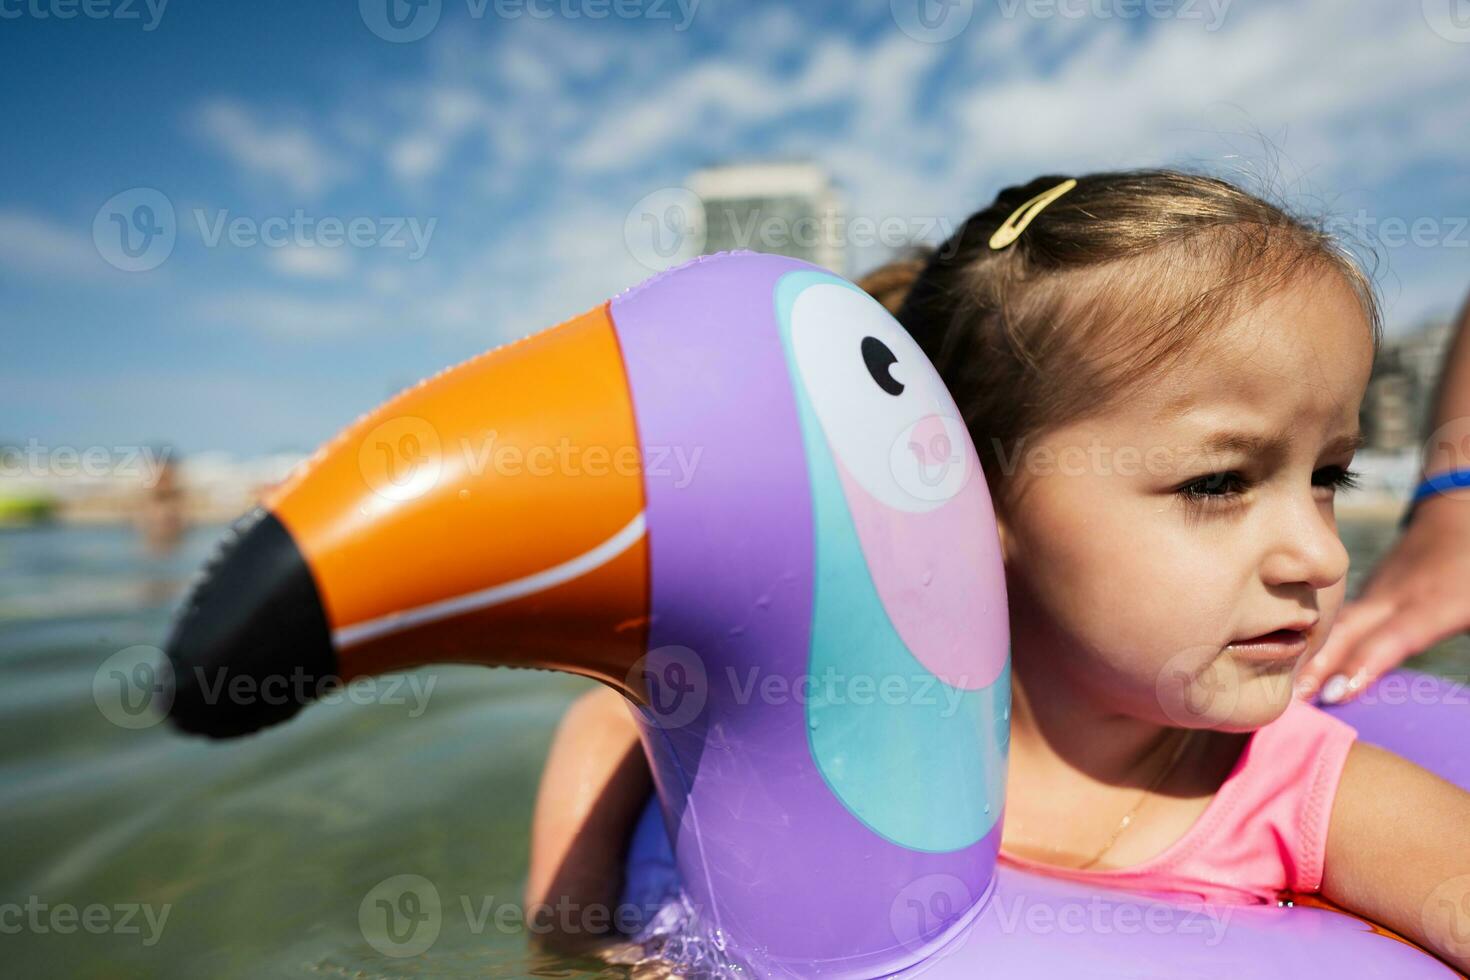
<point x="518" y="136"/>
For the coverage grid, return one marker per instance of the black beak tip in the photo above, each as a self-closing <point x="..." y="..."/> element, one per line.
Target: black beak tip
<point x="251" y="645"/>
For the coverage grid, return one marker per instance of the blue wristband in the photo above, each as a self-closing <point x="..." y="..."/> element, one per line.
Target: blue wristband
<point x="1442" y="483"/>
<point x="1458" y="479"/>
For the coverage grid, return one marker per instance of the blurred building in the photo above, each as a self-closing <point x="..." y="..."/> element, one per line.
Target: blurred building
<point x="787" y="208"/>
<point x="1396" y="410"/>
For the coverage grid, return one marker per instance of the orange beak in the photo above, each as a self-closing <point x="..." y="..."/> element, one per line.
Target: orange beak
<point x="492" y="514"/>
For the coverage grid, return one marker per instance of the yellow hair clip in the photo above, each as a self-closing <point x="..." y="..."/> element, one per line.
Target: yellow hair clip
<point x="1011" y="228"/>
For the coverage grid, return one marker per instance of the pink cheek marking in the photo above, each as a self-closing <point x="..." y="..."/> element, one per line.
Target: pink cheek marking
<point x="940" y="577"/>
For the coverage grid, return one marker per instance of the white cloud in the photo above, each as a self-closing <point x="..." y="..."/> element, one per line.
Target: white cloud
<point x="926" y="132"/>
<point x="446" y="114"/>
<point x="531" y="275"/>
<point x="765" y="32"/>
<point x="1331" y="84"/>
<point x="310" y="261"/>
<point x="709" y="100"/>
<point x="285" y="152"/>
<point x="536" y="274"/>
<point x="39" y="246"/>
<point x="525" y="73"/>
<point x="416" y="157"/>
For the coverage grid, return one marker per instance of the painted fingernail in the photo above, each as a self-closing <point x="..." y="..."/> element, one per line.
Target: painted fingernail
<point x="1336" y="687"/>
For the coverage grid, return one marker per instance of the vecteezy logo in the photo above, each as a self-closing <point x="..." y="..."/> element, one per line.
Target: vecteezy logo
<point x="400" y="21"/>
<point x="932" y="21"/>
<point x="926" y="908"/>
<point x="665" y="227"/>
<point x="135" y="230"/>
<point x="673" y="680"/>
<point x="1446" y="915"/>
<point x="1195" y="687"/>
<point x="1450" y="19"/>
<point x="400" y="916"/>
<point x="1447" y="449"/>
<point x="134" y="687"/>
<point x="928" y="458"/>
<point x="401" y="458"/>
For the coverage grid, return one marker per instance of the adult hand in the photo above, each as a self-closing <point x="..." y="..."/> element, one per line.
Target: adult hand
<point x="1415" y="597"/>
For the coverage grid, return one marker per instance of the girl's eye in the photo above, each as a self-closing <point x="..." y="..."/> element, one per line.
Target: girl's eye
<point x="1336" y="477"/>
<point x="1213" y="487"/>
<point x="1216" y="488"/>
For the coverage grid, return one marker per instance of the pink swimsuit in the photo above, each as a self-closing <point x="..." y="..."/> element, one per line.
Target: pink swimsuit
<point x="1265" y="831"/>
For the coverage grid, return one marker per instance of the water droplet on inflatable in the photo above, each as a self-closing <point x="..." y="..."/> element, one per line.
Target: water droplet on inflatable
<point x="812" y="723"/>
<point x="464" y="495"/>
<point x="928" y="576"/>
<point x="736" y="630"/>
<point x="987" y="808"/>
<point x="763" y="602"/>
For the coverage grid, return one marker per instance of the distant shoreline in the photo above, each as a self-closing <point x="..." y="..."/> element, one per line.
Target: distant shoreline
<point x="1378" y="511"/>
<point x="1388" y="511"/>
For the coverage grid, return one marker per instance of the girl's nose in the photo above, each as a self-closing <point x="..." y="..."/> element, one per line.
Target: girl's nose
<point x="1305" y="546"/>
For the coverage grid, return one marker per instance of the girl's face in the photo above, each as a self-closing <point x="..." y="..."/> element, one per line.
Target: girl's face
<point x="1143" y="542"/>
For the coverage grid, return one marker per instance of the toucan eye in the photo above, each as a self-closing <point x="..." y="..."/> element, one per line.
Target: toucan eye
<point x="886" y="417"/>
<point x="880" y="360"/>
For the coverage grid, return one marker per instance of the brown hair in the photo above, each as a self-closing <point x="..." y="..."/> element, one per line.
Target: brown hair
<point x="1109" y="283"/>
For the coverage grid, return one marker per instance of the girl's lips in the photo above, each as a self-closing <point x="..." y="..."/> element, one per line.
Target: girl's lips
<point x="1276" y="645"/>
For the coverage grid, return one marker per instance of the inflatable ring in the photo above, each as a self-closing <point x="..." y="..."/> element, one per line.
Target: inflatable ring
<point x="740" y="495"/>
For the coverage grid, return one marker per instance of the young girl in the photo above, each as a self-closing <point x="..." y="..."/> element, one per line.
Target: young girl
<point x="1162" y="375"/>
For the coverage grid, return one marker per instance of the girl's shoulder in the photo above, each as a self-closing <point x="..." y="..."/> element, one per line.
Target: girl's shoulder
<point x="1280" y="794"/>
